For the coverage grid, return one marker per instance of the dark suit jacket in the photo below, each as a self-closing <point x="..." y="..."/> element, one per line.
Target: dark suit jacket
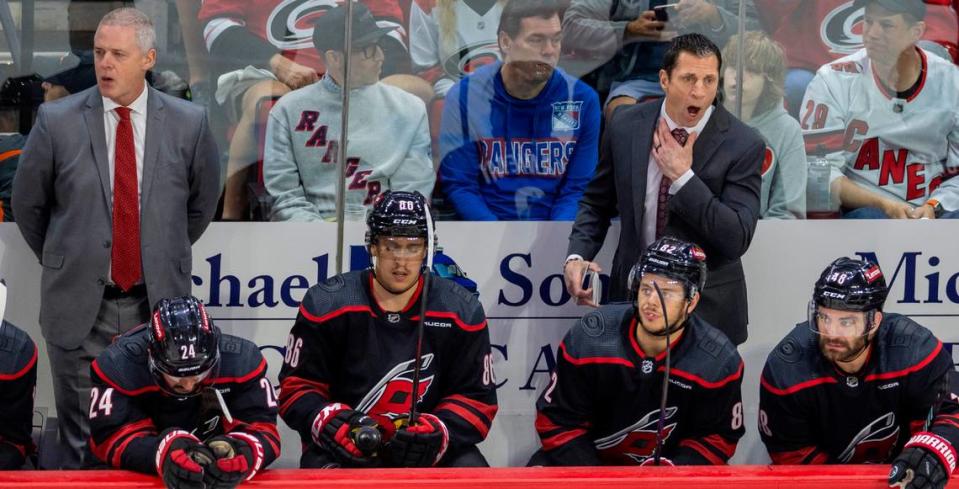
<point x="64" y="204"/>
<point x="717" y="209"/>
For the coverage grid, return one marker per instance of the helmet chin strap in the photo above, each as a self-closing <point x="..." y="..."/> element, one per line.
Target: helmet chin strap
<point x="668" y="330"/>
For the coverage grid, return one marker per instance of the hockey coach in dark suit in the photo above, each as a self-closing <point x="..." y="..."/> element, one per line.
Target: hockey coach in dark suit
<point x="681" y="166"/>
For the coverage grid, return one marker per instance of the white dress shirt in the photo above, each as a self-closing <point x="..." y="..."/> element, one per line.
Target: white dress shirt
<point x="138" y="117"/>
<point x="654" y="176"/>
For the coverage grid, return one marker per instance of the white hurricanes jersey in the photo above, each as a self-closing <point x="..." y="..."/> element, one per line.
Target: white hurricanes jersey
<point x="907" y="148"/>
<point x="474" y="43"/>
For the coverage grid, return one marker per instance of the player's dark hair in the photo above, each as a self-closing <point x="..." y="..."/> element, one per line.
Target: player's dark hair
<point x="516" y="10"/>
<point x="696" y="44"/>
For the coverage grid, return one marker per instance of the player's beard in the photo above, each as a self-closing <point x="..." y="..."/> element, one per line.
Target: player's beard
<point x="846" y="349"/>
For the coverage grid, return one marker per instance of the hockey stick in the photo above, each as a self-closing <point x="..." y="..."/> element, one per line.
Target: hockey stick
<point x="430" y="245"/>
<point x="658" y="452"/>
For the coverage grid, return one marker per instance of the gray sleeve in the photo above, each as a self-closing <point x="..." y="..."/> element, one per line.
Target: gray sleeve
<point x="588" y="29"/>
<point x="787" y="194"/>
<point x="416" y="172"/>
<point x="205" y="182"/>
<point x="729" y="11"/>
<point x="281" y="175"/>
<point x="33" y="185"/>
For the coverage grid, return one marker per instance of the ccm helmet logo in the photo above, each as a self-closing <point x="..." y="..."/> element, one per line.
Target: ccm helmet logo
<point x="873" y="274"/>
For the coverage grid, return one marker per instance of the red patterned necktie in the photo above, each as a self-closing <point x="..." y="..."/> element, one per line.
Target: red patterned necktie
<point x="662" y="204"/>
<point x="125" y="255"/>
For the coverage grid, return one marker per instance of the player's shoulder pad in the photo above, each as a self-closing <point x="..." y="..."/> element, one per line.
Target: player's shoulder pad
<point x="240" y="360"/>
<point x="599" y="333"/>
<point x="450" y="301"/>
<point x="18" y="353"/>
<point x="333" y="296"/>
<point x="708" y="358"/>
<point x="906" y="344"/>
<point x="124" y="365"/>
<point x="793" y="361"/>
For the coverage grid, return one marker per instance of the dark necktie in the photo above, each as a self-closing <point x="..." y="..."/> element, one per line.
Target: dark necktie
<point x="662" y="205"/>
<point x="125" y="255"/>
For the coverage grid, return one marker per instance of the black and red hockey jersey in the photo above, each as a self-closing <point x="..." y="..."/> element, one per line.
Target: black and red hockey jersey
<point x="239" y="32"/>
<point x="811" y="413"/>
<point x="18" y="379"/>
<point x="602" y="405"/>
<point x="128" y="411"/>
<point x="345" y="348"/>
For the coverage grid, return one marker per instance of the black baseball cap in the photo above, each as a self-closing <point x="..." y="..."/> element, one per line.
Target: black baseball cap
<point x="329" y="30"/>
<point x="915" y="8"/>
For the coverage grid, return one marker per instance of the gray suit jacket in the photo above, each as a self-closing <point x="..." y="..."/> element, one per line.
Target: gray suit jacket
<point x="64" y="204"/>
<point x="717" y="209"/>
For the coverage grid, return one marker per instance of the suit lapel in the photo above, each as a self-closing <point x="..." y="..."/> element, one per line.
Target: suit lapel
<point x="708" y="142"/>
<point x="93" y="117"/>
<point x="154" y="130"/>
<point x="642" y="145"/>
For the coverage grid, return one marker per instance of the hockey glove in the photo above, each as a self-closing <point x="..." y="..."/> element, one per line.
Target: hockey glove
<point x="335" y="430"/>
<point x="237" y="458"/>
<point x="926" y="462"/>
<point x="176" y="459"/>
<point x="420" y="445"/>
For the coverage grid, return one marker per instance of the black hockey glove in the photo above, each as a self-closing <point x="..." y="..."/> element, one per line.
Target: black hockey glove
<point x="238" y="456"/>
<point x="10" y="456"/>
<point x="420" y="445"/>
<point x="336" y="429"/>
<point x="926" y="462"/>
<point x="176" y="459"/>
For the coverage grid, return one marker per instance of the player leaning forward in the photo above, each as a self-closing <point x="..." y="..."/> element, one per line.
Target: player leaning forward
<point x="179" y="399"/>
<point x="856" y="385"/>
<point x="352" y="353"/>
<point x="606" y="404"/>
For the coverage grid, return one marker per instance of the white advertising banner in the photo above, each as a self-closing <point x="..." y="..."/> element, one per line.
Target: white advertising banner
<point x="252" y="276"/>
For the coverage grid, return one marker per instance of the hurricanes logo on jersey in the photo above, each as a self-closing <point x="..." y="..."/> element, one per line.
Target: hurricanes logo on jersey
<point x="841" y="29"/>
<point x="637" y="442"/>
<point x="470" y="58"/>
<point x="290" y="25"/>
<point x="874" y="443"/>
<point x="390" y="397"/>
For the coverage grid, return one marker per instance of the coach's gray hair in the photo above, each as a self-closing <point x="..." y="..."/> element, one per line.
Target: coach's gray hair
<point x="131" y="17"/>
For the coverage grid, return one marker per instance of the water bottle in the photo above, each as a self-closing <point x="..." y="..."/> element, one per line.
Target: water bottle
<point x="819" y="203"/>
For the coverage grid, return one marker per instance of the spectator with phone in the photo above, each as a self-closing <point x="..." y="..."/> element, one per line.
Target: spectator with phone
<point x="619" y="46"/>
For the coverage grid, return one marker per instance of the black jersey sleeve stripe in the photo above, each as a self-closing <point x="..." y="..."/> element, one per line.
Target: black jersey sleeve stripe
<point x="593" y="360"/>
<point x="339" y="312"/>
<point x="293" y="388"/>
<point x="132" y="393"/>
<point x="802" y="456"/>
<point x="795" y="388"/>
<point x="562" y="438"/>
<point x="245" y="378"/>
<point x="103" y="450"/>
<point x="703" y="451"/>
<point x="703" y="382"/>
<point x="906" y="371"/>
<point x="20" y="373"/>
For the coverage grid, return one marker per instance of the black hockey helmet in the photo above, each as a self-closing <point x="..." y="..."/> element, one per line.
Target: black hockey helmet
<point x="400" y="214"/>
<point x="673" y="258"/>
<point x="183" y="341"/>
<point x="851" y="285"/>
